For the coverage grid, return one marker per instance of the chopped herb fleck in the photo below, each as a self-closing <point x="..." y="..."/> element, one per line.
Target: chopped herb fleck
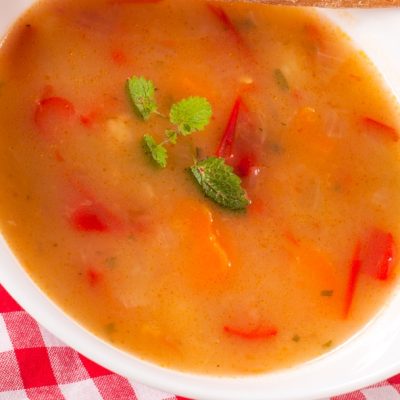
<point x="327" y="344"/>
<point x="276" y="148"/>
<point x="326" y="293"/>
<point x="110" y="328"/>
<point x="111" y="262"/>
<point x="296" y="338"/>
<point x="281" y="80"/>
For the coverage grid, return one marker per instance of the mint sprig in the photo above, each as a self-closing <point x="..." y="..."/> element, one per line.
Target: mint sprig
<point x="220" y="183"/>
<point x="193" y="114"/>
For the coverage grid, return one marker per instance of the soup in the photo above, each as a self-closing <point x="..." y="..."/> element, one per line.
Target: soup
<point x="211" y="187"/>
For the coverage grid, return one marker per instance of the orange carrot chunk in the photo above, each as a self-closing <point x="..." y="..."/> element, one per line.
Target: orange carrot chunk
<point x="379" y="128"/>
<point x="254" y="334"/>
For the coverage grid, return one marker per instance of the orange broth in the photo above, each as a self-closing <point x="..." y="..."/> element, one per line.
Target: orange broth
<point x="136" y="253"/>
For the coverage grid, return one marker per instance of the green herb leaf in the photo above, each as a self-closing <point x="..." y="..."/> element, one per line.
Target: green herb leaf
<point x="191" y="114"/>
<point x="326" y="293"/>
<point x="281" y="80"/>
<point x="141" y="92"/>
<point x="172" y="136"/>
<point x="157" y="151"/>
<point x="111" y="262"/>
<point x="220" y="183"/>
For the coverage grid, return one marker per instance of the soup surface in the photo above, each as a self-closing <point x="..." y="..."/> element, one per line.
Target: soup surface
<point x="136" y="252"/>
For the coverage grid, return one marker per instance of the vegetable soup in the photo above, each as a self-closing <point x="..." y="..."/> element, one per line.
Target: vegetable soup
<point x="212" y="187"/>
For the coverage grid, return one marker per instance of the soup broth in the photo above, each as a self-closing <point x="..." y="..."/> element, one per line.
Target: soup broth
<point x="136" y="253"/>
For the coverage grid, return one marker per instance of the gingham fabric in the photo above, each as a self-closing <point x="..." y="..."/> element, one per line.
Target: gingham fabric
<point x="34" y="365"/>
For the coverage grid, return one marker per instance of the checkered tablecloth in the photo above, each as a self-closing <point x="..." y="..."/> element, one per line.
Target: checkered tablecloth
<point x="34" y="365"/>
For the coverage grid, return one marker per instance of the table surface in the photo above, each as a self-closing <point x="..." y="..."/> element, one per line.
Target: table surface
<point x="35" y="365"/>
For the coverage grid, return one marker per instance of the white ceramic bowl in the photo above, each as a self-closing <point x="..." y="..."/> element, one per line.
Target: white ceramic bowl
<point x="372" y="355"/>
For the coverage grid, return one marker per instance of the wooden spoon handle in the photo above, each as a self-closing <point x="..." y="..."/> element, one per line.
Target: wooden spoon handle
<point x="332" y="3"/>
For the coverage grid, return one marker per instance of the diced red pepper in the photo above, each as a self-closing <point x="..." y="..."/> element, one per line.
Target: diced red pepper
<point x="52" y="114"/>
<point x="88" y="219"/>
<point x="255" y="334"/>
<point x="94" y="276"/>
<point x="353" y="278"/>
<point x="378" y="254"/>
<point x="119" y="57"/>
<point x="380" y="128"/>
<point x="225" y="148"/>
<point x="89" y="119"/>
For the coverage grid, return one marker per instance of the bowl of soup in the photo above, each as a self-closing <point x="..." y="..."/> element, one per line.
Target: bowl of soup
<point x="204" y="196"/>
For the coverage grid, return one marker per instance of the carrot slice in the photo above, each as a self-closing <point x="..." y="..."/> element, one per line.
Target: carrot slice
<point x="225" y="147"/>
<point x="377" y="127"/>
<point x="355" y="267"/>
<point x="255" y="334"/>
<point x="52" y="114"/>
<point x="205" y="262"/>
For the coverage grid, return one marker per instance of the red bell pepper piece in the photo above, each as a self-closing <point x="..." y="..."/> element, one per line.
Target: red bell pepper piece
<point x="353" y="278"/>
<point x="238" y="144"/>
<point x="381" y="128"/>
<point x="119" y="57"/>
<point x="88" y="219"/>
<point x="374" y="256"/>
<point x="225" y="147"/>
<point x="378" y="254"/>
<point x="254" y="334"/>
<point x="226" y="22"/>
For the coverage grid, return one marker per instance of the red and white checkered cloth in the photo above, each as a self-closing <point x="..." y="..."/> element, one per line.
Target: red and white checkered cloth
<point x="34" y="365"/>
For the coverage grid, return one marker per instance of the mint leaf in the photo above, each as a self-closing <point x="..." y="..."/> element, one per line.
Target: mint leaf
<point x="157" y="151"/>
<point x="172" y="136"/>
<point x="281" y="80"/>
<point x="141" y="92"/>
<point x="220" y="183"/>
<point x="191" y="114"/>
